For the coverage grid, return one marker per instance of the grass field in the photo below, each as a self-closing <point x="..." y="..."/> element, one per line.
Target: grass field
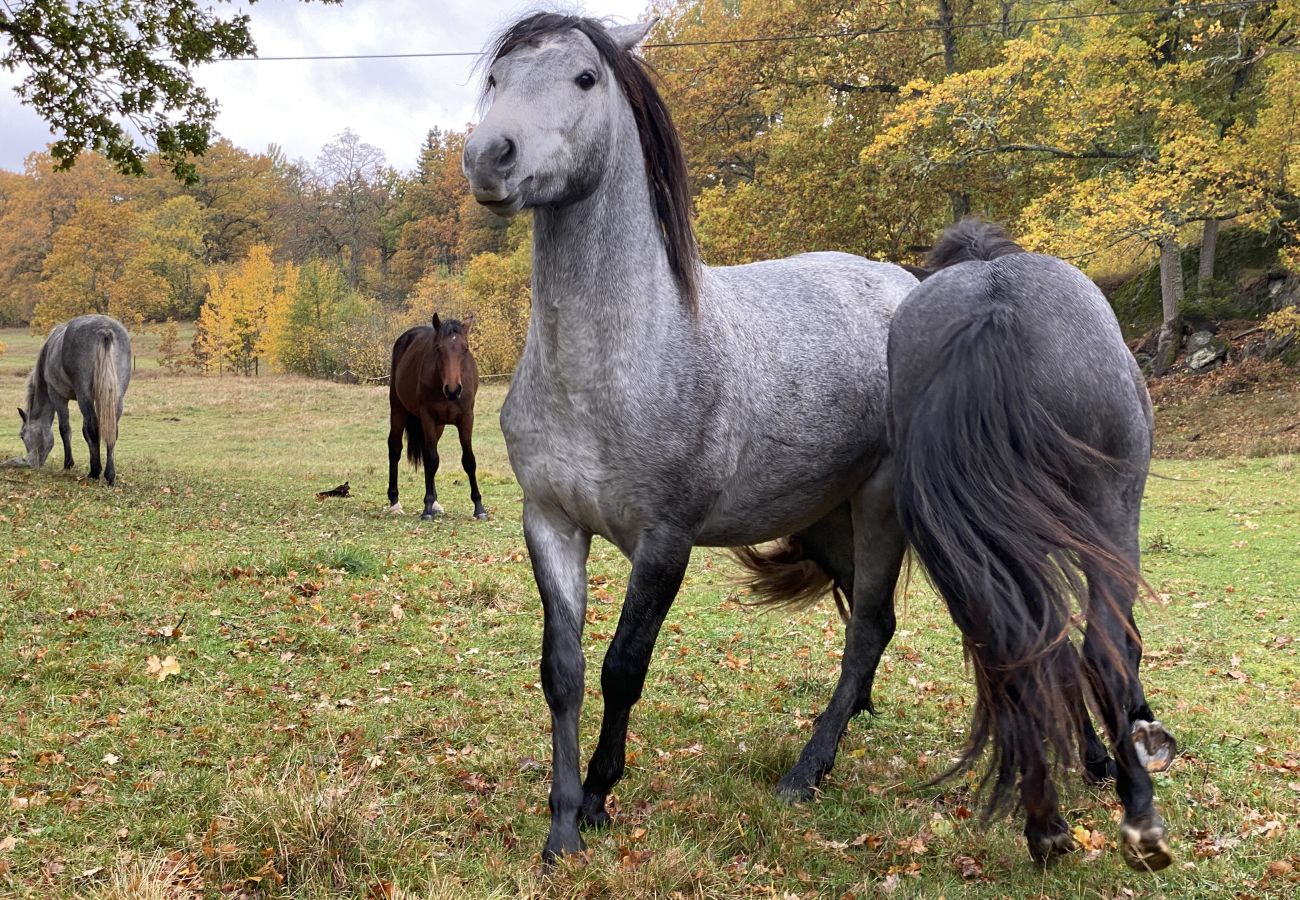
<point x="214" y="684"/>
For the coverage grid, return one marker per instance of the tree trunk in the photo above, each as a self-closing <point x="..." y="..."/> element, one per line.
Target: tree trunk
<point x="1209" y="243"/>
<point x="1171" y="301"/>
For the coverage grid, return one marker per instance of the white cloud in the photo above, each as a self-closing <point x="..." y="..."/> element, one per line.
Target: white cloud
<point x="302" y="105"/>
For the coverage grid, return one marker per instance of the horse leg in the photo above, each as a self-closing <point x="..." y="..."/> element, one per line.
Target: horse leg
<point x="558" y="552"/>
<point x="110" y="470"/>
<point x="65" y="432"/>
<point x="396" y="425"/>
<point x="90" y="431"/>
<point x="432" y="434"/>
<point x="1046" y="832"/>
<point x="658" y="566"/>
<point x="466" y="431"/>
<point x="1098" y="767"/>
<point x="877" y="548"/>
<point x="1112" y="652"/>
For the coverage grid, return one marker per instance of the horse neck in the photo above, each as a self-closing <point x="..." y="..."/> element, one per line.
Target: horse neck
<point x="40" y="408"/>
<point x="600" y="268"/>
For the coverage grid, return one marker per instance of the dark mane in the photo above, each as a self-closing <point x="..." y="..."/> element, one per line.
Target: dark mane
<point x="665" y="164"/>
<point x="971" y="239"/>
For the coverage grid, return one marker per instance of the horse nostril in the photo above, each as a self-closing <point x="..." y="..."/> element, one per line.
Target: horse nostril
<point x="506" y="158"/>
<point x="452" y="393"/>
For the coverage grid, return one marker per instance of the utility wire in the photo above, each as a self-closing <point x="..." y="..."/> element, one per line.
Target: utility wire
<point x="1179" y="11"/>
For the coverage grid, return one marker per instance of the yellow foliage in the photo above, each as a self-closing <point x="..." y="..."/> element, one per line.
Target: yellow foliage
<point x="243" y="315"/>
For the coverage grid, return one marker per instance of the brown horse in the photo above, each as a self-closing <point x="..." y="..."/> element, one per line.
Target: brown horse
<point x="432" y="385"/>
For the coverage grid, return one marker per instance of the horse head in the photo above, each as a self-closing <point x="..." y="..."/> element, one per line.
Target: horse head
<point x="451" y="346"/>
<point x="556" y="85"/>
<point x="38" y="439"/>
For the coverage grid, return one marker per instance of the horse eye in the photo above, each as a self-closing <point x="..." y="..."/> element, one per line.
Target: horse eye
<point x="586" y="81"/>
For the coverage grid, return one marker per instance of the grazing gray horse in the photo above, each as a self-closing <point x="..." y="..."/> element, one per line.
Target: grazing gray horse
<point x="87" y="359"/>
<point x="663" y="404"/>
<point x="1022" y="435"/>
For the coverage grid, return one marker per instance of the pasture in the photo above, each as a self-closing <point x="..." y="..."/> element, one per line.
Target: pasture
<point x="214" y="684"/>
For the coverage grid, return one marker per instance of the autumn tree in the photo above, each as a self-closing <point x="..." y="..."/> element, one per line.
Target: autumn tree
<point x="102" y="73"/>
<point x="97" y="265"/>
<point x="243" y="316"/>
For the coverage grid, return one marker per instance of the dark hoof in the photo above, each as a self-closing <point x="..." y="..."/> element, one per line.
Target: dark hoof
<point x="1099" y="772"/>
<point x="557" y="846"/>
<point x="68" y="465"/>
<point x="481" y="516"/>
<point x="1145" y="847"/>
<point x="1045" y="849"/>
<point x="427" y="517"/>
<point x="796" y="787"/>
<point x="593" y="814"/>
<point x="1156" y="747"/>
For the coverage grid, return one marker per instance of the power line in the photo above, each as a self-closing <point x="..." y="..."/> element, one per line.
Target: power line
<point x="830" y="35"/>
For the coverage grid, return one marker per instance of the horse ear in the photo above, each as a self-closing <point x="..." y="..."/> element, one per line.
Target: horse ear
<point x="467" y="323"/>
<point x="437" y="323"/>
<point x="628" y="36"/>
<point x="22" y="414"/>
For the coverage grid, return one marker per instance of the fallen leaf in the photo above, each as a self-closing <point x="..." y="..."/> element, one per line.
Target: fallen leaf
<point x="161" y="668"/>
<point x="111" y="759"/>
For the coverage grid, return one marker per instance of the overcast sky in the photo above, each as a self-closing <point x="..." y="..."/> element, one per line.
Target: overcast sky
<point x="302" y="105"/>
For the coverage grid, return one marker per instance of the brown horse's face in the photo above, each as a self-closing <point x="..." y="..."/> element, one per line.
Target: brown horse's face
<point x="452" y="346"/>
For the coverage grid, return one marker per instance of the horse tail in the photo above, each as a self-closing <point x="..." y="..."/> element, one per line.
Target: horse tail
<point x="414" y="440"/>
<point x="983" y="495"/>
<point x="783" y="575"/>
<point x="104" y="387"/>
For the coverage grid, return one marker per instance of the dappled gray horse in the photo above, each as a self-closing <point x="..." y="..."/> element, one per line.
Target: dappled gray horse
<point x="87" y="359"/>
<point x="663" y="404"/>
<point x="1022" y="435"/>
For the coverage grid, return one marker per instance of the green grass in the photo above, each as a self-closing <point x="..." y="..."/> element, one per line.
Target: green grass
<point x="357" y="710"/>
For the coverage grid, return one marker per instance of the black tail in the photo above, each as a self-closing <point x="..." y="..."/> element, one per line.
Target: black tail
<point x="783" y="575"/>
<point x="414" y="441"/>
<point x="984" y="496"/>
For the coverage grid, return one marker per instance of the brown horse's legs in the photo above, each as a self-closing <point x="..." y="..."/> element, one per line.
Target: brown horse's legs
<point x="432" y="434"/>
<point x="65" y="432"/>
<point x="396" y="424"/>
<point x="467" y="461"/>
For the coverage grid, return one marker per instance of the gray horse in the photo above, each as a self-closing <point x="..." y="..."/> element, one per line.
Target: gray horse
<point x="663" y="404"/>
<point x="87" y="359"/>
<point x="1022" y="434"/>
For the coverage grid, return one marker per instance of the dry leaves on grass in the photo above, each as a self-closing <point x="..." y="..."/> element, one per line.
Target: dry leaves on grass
<point x="161" y="668"/>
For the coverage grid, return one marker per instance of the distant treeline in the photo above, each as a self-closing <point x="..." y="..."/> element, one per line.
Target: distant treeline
<point x="1095" y="133"/>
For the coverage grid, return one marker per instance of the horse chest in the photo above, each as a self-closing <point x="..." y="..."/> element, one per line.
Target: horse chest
<point x="562" y="455"/>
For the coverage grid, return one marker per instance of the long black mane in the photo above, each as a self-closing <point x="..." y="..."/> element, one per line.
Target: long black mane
<point x="970" y="239"/>
<point x="665" y="164"/>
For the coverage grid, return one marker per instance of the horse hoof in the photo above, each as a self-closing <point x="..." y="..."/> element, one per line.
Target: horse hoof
<point x="426" y="517"/>
<point x="795" y="788"/>
<point x="396" y="510"/>
<point x="593" y="814"/>
<point x="1045" y="849"/>
<point x="557" y="847"/>
<point x="1145" y="848"/>
<point x="481" y="516"/>
<point x="1156" y="747"/>
<point x="1099" y="772"/>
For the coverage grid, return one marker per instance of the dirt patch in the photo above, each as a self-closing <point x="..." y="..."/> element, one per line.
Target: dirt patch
<point x="1246" y="408"/>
